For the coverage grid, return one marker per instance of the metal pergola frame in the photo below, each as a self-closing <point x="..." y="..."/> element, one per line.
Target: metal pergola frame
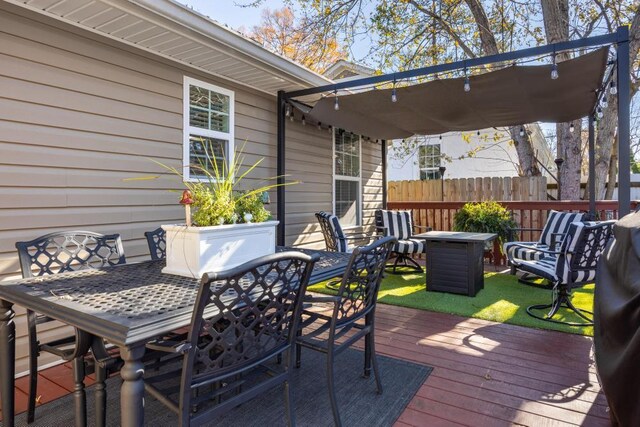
<point x="622" y="65"/>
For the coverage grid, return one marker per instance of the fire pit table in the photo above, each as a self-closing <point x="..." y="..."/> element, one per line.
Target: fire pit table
<point x="455" y="261"/>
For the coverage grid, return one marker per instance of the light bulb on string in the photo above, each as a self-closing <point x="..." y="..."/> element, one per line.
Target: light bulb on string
<point x="571" y="128"/>
<point x="336" y="105"/>
<point x="319" y="125"/>
<point x="329" y="129"/>
<point x="394" y="97"/>
<point x="478" y="133"/>
<point x="440" y="137"/>
<point x="613" y="89"/>
<point x="605" y="102"/>
<point x="304" y="121"/>
<point x="522" y="131"/>
<point x="467" y="83"/>
<point x="599" y="113"/>
<point x="554" y="69"/>
<point x="287" y="111"/>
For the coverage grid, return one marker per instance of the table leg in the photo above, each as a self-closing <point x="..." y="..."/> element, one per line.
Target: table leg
<point x="7" y="362"/>
<point x="132" y="389"/>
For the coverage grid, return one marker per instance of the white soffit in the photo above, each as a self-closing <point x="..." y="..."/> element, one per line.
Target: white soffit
<point x="175" y="32"/>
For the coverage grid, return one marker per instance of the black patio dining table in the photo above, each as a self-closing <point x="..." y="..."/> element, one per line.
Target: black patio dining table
<point x="128" y="305"/>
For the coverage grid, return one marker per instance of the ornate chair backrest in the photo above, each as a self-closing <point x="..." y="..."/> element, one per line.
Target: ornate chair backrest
<point x="581" y="249"/>
<point x="398" y="224"/>
<point x="360" y="284"/>
<point x="69" y="251"/>
<point x="243" y="316"/>
<point x="334" y="237"/>
<point x="558" y="223"/>
<point x="157" y="242"/>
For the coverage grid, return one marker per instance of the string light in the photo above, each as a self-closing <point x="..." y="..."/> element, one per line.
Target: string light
<point x="571" y="128"/>
<point x="467" y="83"/>
<point x="394" y="98"/>
<point x="329" y="129"/>
<point x="440" y="137"/>
<point x="291" y="117"/>
<point x="319" y="125"/>
<point x="599" y="113"/>
<point x="287" y="111"/>
<point x="336" y="105"/>
<point x="554" y="69"/>
<point x="304" y="121"/>
<point x="613" y="89"/>
<point x="478" y="133"/>
<point x="605" y="102"/>
<point x="521" y="131"/>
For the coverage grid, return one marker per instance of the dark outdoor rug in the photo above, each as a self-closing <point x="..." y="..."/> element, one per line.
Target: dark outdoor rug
<point x="360" y="405"/>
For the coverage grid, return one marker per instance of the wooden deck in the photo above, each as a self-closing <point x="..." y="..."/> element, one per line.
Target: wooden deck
<point x="485" y="374"/>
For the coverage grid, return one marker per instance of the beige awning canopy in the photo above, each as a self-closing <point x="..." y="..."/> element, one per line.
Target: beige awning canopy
<point x="511" y="96"/>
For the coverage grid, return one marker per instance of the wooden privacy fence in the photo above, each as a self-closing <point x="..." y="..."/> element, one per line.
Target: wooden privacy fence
<point x="528" y="214"/>
<point x="463" y="189"/>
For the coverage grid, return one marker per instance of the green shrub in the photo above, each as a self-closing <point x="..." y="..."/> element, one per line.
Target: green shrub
<point x="484" y="217"/>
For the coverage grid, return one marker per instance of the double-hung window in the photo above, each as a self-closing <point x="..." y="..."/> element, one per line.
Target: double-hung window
<point x="347" y="178"/>
<point x="208" y="129"/>
<point x="429" y="158"/>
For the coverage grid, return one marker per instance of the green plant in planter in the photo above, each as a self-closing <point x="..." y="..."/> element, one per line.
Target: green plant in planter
<point x="484" y="217"/>
<point x="217" y="197"/>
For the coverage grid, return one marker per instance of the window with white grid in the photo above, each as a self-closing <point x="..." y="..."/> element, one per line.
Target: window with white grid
<point x="347" y="197"/>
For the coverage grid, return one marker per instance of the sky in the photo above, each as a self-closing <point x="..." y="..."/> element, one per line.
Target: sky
<point x="230" y="13"/>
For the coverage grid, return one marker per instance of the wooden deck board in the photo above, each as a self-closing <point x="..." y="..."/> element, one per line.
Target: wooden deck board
<point x="485" y="373"/>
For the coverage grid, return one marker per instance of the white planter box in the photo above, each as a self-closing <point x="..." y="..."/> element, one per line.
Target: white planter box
<point x="193" y="251"/>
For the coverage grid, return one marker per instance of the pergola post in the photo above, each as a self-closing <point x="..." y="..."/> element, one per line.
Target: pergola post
<point x="280" y="167"/>
<point x="592" y="168"/>
<point x="384" y="173"/>
<point x="624" y="148"/>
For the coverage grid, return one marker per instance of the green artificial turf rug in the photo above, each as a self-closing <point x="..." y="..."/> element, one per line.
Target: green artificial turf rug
<point x="503" y="300"/>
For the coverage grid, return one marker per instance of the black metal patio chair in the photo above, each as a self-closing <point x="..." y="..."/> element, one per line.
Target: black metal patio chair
<point x="58" y="253"/>
<point x="352" y="309"/>
<point x="157" y="242"/>
<point x="400" y="225"/>
<point x="243" y="317"/>
<point x="336" y="240"/>
<point x="573" y="265"/>
<point x="551" y="236"/>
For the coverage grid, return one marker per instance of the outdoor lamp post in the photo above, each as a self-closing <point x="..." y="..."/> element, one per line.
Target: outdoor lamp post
<point x="558" y="165"/>
<point x="442" y="169"/>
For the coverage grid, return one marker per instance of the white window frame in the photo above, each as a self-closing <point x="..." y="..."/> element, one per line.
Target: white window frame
<point x="188" y="130"/>
<point x="346" y="178"/>
<point x="429" y="169"/>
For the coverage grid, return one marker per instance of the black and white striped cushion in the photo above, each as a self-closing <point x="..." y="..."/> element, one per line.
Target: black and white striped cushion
<point x="334" y="223"/>
<point x="397" y="224"/>
<point x="516" y="251"/>
<point x="558" y="222"/>
<point x="410" y="246"/>
<point x="580" y="242"/>
<point x="544" y="267"/>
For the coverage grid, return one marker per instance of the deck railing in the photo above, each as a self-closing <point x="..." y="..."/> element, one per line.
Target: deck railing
<point x="527" y="214"/>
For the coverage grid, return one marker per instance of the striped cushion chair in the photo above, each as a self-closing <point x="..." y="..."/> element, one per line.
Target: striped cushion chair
<point x="334" y="236"/>
<point x="574" y="264"/>
<point x="399" y="224"/>
<point x="553" y="232"/>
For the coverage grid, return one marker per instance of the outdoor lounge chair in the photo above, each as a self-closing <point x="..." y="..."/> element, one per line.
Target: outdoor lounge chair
<point x="243" y="317"/>
<point x="157" y="242"/>
<point x="58" y="253"/>
<point x="574" y="264"/>
<point x="400" y="225"/>
<point x="552" y="235"/>
<point x="336" y="240"/>
<point x="352" y="309"/>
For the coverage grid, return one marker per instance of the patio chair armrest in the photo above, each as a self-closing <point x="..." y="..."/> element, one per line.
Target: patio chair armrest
<point x="333" y="298"/>
<point x="557" y="238"/>
<point x="169" y="346"/>
<point x="536" y="249"/>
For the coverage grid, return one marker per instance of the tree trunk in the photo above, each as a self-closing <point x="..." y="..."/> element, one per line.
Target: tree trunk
<point x="606" y="134"/>
<point x="613" y="170"/>
<point x="487" y="39"/>
<point x="570" y="150"/>
<point x="606" y="142"/>
<point x="526" y="154"/>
